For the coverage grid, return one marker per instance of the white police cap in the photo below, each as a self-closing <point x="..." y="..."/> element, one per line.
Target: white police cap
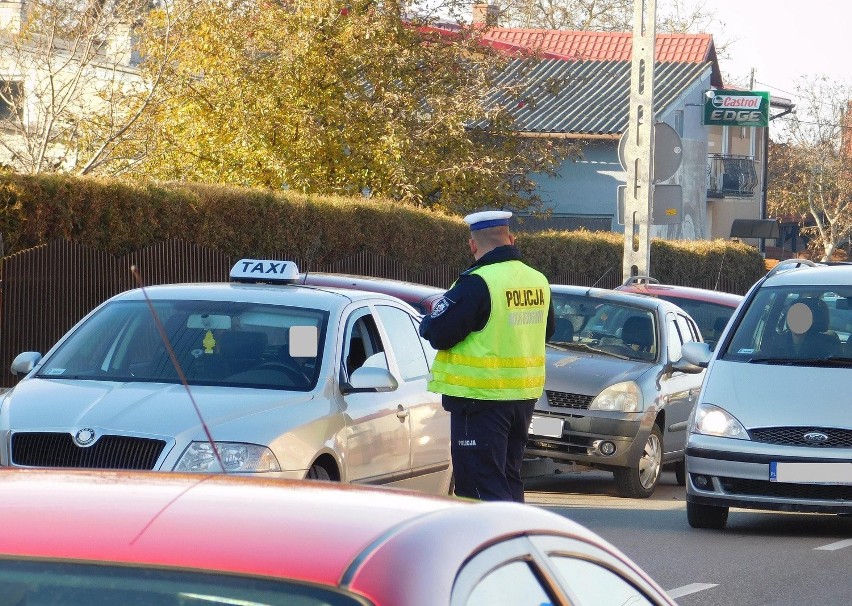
<point x="487" y="218"/>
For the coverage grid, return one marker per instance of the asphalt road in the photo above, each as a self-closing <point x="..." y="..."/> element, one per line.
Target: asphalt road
<point x="760" y="559"/>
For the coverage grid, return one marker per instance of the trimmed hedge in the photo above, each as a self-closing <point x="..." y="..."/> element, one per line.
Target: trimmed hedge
<point x="120" y="217"/>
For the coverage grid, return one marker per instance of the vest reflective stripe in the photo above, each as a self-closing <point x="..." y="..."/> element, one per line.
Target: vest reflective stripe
<point x="505" y="360"/>
<point x="478" y="362"/>
<point x="491" y="382"/>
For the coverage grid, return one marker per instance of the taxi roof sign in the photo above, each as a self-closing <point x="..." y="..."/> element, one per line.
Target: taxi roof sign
<point x="264" y="270"/>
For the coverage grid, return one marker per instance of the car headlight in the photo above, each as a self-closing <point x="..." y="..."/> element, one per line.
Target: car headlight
<point x="236" y="457"/>
<point x="710" y="420"/>
<point x="623" y="397"/>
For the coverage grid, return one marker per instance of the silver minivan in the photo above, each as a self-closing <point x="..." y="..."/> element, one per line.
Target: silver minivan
<point x="772" y="428"/>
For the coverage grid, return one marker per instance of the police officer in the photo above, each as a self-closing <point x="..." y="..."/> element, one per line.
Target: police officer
<point x="490" y="329"/>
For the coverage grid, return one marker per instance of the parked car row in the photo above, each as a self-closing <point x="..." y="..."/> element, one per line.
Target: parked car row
<point x="330" y="373"/>
<point x="330" y="378"/>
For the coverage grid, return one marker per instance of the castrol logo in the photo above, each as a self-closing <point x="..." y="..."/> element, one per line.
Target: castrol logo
<point x="736" y="101"/>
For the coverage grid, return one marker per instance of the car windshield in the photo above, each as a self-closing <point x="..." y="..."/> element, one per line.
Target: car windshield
<point x="83" y="584"/>
<point x="794" y="325"/>
<point x="608" y="327"/>
<point x="214" y="342"/>
<point x="711" y="318"/>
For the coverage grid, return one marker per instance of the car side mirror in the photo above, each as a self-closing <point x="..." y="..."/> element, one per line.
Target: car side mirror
<point x="370" y="379"/>
<point x="25" y="362"/>
<point x="685" y="366"/>
<point x="694" y="352"/>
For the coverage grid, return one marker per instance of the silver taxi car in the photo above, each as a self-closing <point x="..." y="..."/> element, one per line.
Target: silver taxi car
<point x="772" y="428"/>
<point x="286" y="380"/>
<point x="617" y="390"/>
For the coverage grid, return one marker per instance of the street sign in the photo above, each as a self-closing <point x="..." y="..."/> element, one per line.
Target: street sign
<point x="666" y="208"/>
<point x="737" y="108"/>
<point x="668" y="151"/>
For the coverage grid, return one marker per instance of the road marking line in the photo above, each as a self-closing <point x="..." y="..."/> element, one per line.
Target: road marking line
<point x="835" y="546"/>
<point x="691" y="588"/>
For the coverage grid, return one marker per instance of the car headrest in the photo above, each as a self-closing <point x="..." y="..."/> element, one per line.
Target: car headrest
<point x="638" y="330"/>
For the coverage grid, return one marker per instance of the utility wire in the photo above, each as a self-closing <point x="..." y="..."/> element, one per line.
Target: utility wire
<point x="780" y="90"/>
<point x="823" y="124"/>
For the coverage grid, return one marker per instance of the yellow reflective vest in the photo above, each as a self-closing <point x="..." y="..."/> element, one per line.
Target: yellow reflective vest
<point x="504" y="360"/>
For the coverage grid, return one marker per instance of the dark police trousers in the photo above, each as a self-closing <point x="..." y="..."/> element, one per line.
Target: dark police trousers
<point x="488" y="438"/>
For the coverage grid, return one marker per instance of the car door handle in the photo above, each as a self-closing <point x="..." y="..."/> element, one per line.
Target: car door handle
<point x="401" y="413"/>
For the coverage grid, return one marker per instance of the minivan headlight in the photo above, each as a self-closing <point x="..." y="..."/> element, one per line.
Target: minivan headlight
<point x="710" y="420"/>
<point x="622" y="397"/>
<point x="236" y="457"/>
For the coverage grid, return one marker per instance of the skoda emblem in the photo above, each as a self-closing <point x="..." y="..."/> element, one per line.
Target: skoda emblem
<point x="815" y="437"/>
<point x="84" y="437"/>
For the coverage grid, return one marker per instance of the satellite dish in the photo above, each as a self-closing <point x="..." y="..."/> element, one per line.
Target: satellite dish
<point x="668" y="151"/>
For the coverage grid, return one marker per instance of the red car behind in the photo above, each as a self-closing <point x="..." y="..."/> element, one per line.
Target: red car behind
<point x="112" y="537"/>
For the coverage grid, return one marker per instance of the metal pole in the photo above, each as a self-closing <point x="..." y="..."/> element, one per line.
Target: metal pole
<point x="638" y="149"/>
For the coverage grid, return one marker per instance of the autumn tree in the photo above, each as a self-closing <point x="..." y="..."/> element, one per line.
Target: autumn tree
<point x="811" y="165"/>
<point x="70" y="88"/>
<point x="340" y="97"/>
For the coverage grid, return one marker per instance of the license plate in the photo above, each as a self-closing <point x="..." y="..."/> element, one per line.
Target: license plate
<point x="546" y="426"/>
<point x="811" y="473"/>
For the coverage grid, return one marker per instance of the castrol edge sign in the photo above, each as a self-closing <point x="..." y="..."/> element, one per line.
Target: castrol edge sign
<point x="737" y="108"/>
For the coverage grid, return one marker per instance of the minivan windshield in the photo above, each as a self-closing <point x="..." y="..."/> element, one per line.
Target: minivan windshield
<point x="794" y="325"/>
<point x="215" y="343"/>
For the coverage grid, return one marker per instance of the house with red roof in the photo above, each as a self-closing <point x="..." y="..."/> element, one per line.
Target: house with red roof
<point x="578" y="89"/>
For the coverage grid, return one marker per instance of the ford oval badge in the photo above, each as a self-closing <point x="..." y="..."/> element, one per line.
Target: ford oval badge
<point x="815" y="437"/>
<point x="84" y="437"/>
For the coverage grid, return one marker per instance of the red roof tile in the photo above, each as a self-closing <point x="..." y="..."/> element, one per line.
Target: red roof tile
<point x="603" y="46"/>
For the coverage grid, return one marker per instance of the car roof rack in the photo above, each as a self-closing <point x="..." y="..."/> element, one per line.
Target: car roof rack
<point x="640" y="280"/>
<point x="788" y="264"/>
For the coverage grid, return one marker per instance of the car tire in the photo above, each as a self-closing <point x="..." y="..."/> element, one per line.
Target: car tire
<point x="706" y="516"/>
<point x="318" y="472"/>
<point x="640" y="480"/>
<point x="680" y="472"/>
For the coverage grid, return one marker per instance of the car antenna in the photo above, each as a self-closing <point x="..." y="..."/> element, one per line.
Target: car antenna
<point x="165" y="338"/>
<point x="721" y="265"/>
<point x="602" y="277"/>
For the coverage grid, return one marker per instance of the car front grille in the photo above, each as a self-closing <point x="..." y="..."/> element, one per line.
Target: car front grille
<point x="810" y="492"/>
<point x="577" y="445"/>
<point x="795" y="436"/>
<point x="568" y="400"/>
<point x="44" y="449"/>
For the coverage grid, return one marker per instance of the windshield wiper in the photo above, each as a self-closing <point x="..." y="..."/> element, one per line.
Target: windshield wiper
<point x="587" y="347"/>
<point x="830" y="361"/>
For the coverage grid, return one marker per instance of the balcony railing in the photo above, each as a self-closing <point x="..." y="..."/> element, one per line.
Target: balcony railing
<point x="730" y="176"/>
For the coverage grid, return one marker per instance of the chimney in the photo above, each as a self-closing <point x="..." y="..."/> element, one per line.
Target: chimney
<point x="485" y="15"/>
<point x="12" y="13"/>
<point x="846" y="132"/>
